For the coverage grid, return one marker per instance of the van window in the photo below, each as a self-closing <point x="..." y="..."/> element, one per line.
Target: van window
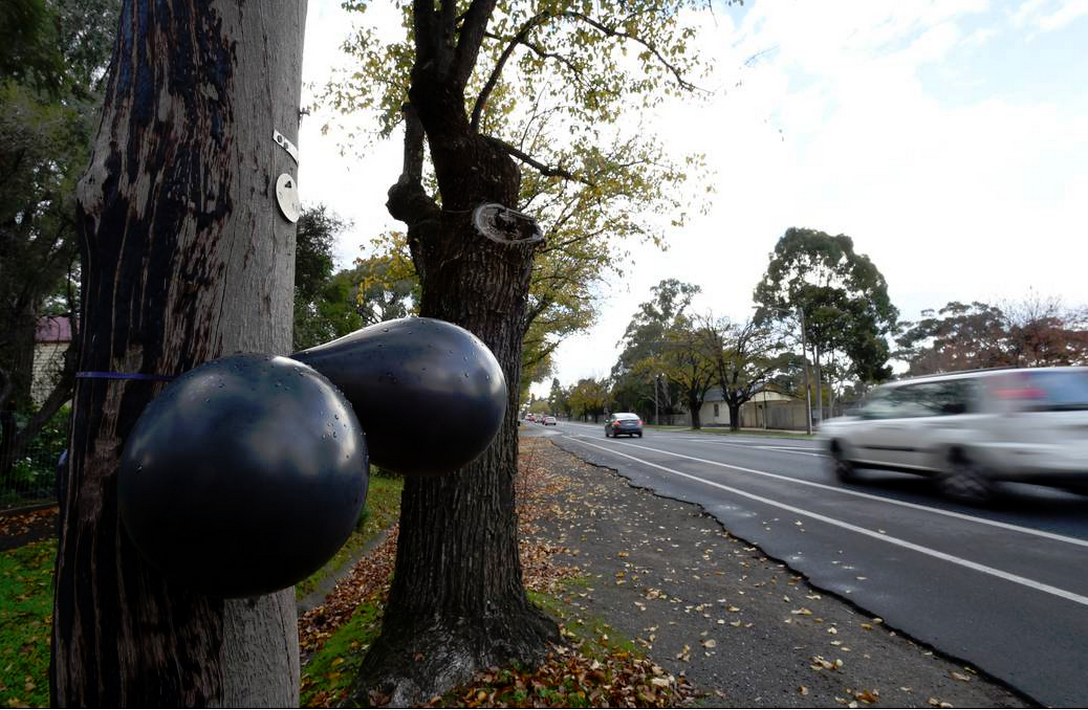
<point x="1043" y="390"/>
<point x="921" y="399"/>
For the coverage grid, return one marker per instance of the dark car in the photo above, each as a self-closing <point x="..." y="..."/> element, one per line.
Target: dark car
<point x="623" y="423"/>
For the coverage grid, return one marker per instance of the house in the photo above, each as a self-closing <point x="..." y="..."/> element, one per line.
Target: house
<point x="51" y="339"/>
<point x="768" y="409"/>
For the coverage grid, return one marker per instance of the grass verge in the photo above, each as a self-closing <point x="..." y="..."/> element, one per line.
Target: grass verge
<point x="381" y="510"/>
<point x="26" y="622"/>
<point x="328" y="675"/>
<point x="592" y="667"/>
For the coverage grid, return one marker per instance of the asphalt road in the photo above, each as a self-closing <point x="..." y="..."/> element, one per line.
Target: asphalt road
<point x="1004" y="589"/>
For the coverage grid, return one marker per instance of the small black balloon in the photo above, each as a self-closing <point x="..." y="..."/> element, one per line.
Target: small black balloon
<point x="429" y="394"/>
<point x="244" y="476"/>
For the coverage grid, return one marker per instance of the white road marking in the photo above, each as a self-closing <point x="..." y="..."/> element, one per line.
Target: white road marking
<point x="884" y="537"/>
<point x="869" y="496"/>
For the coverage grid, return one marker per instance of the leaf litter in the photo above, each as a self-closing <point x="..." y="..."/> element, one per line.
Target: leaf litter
<point x="566" y="510"/>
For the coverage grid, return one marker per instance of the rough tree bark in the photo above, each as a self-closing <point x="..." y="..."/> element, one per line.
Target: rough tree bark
<point x="457" y="602"/>
<point x="185" y="259"/>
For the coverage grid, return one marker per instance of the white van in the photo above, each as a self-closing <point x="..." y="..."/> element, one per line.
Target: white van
<point x="970" y="430"/>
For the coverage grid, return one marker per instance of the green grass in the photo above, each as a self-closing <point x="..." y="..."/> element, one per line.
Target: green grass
<point x="333" y="667"/>
<point x="26" y="621"/>
<point x="26" y="607"/>
<point x="595" y="638"/>
<point x="381" y="510"/>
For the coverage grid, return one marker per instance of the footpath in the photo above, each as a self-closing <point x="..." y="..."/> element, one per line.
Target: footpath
<point x="743" y="629"/>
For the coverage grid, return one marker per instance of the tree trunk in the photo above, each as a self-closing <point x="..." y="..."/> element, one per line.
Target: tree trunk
<point x="185" y="259"/>
<point x="734" y="416"/>
<point x="457" y="603"/>
<point x="695" y="406"/>
<point x="15" y="385"/>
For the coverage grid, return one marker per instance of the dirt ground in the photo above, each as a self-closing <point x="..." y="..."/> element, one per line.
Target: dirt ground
<point x="744" y="629"/>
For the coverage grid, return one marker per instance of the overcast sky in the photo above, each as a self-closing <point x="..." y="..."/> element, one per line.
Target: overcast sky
<point x="949" y="139"/>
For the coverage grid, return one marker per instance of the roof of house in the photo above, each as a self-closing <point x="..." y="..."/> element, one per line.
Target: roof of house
<point x="714" y="394"/>
<point x="53" y="329"/>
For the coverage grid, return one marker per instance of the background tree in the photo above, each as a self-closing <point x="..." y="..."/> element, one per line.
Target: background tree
<point x="638" y="372"/>
<point x="1032" y="332"/>
<point x="559" y="399"/>
<point x="388" y="286"/>
<point x="842" y="295"/>
<point x="326" y="304"/>
<point x="185" y="258"/>
<point x="744" y="358"/>
<point x="1043" y="332"/>
<point x="52" y="57"/>
<point x="589" y="398"/>
<point x="457" y="602"/>
<point x="685" y="365"/>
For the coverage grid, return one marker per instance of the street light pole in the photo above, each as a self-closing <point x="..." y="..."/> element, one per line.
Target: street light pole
<point x="808" y="388"/>
<point x="656" y="421"/>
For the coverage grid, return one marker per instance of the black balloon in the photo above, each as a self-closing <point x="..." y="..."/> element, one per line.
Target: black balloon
<point x="429" y="394"/>
<point x="244" y="476"/>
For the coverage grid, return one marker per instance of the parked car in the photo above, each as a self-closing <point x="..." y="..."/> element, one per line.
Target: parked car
<point x="971" y="430"/>
<point x="623" y="423"/>
<point x="549" y="421"/>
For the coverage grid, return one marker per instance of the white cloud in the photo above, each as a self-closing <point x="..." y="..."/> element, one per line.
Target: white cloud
<point x="835" y="126"/>
<point x="1048" y="15"/>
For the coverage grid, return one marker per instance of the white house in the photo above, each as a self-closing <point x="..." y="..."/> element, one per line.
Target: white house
<point x="51" y="339"/>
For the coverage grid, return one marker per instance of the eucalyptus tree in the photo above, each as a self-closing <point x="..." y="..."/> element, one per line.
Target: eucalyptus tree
<point x="187" y="255"/>
<point x="841" y="295"/>
<point x="1030" y="332"/>
<point x="485" y="91"/>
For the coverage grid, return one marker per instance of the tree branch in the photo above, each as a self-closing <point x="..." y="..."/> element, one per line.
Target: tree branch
<point x="493" y="79"/>
<point x="407" y="201"/>
<point x="613" y="32"/>
<point x="473" y="28"/>
<point x="543" y="169"/>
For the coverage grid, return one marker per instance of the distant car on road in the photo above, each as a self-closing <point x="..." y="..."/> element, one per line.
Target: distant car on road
<point x="623" y="423"/>
<point x="549" y="420"/>
<point x="971" y="430"/>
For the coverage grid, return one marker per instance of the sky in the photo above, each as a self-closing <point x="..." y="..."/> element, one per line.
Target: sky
<point x="948" y="139"/>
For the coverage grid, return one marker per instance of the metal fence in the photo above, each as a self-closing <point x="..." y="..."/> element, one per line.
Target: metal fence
<point x="32" y="478"/>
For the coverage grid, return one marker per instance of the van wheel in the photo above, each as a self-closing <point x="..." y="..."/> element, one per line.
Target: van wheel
<point x="966" y="481"/>
<point x="841" y="466"/>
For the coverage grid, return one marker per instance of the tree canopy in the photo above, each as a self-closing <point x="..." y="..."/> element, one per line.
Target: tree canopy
<point x="53" y="55"/>
<point x="549" y="89"/>
<point x="842" y="299"/>
<point x="1032" y="332"/>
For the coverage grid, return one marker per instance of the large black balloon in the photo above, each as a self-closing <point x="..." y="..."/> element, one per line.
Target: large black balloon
<point x="244" y="476"/>
<point x="429" y="394"/>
